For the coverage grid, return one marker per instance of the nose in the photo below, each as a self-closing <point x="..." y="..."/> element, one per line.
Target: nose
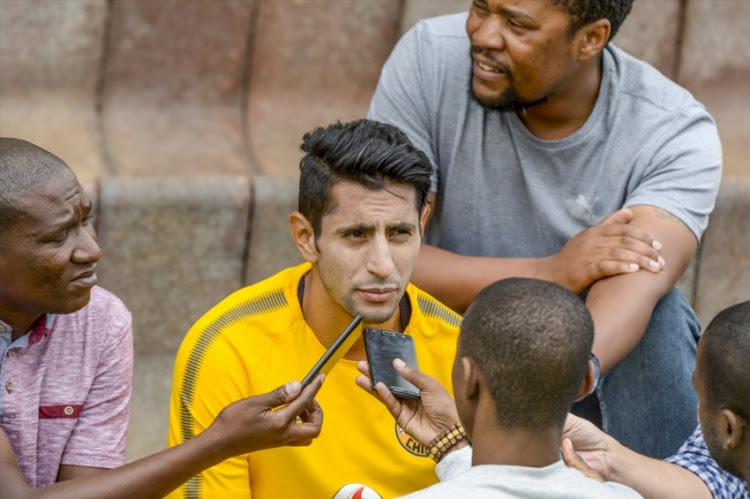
<point x="379" y="258"/>
<point x="487" y="33"/>
<point x="87" y="249"/>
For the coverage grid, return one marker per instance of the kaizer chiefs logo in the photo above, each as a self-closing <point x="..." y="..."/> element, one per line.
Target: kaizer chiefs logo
<point x="408" y="443"/>
<point x="356" y="491"/>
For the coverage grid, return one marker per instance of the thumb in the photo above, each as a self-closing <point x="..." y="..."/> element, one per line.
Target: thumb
<point x="411" y="374"/>
<point x="280" y="395"/>
<point x="573" y="460"/>
<point x="621" y="216"/>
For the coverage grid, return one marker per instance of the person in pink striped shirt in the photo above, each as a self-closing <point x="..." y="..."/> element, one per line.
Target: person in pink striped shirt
<point x="66" y="347"/>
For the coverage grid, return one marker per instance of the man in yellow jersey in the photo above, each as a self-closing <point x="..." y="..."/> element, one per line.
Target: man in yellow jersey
<point x="362" y="212"/>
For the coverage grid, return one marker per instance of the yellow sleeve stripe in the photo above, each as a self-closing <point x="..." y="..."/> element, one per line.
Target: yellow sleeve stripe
<point x="430" y="307"/>
<point x="264" y="303"/>
<point x="267" y="302"/>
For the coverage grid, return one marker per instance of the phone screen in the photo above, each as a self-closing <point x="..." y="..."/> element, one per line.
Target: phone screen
<point x="382" y="347"/>
<point x="334" y="353"/>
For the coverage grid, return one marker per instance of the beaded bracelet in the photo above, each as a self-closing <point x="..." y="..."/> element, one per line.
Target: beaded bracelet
<point x="445" y="440"/>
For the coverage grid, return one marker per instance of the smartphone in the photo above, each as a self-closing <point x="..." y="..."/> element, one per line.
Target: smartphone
<point x="334" y="353"/>
<point x="382" y="347"/>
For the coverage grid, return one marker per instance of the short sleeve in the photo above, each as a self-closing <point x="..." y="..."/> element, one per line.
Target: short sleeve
<point x="695" y="457"/>
<point x="685" y="171"/>
<point x="208" y="376"/>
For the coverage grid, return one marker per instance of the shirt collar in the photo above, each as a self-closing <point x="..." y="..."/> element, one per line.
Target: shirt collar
<point x="38" y="330"/>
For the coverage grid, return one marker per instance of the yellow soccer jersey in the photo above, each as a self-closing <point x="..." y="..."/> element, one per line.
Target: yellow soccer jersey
<point x="255" y="341"/>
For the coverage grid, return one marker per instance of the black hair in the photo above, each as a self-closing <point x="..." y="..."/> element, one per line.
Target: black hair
<point x="584" y="12"/>
<point x="368" y="152"/>
<point x="531" y="340"/>
<point x="24" y="167"/>
<point x="725" y="357"/>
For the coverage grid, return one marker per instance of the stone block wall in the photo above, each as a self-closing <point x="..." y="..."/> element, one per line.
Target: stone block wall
<point x="184" y="118"/>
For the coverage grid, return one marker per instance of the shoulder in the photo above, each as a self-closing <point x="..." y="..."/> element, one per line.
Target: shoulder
<point x="446" y="26"/>
<point x="255" y="313"/>
<point x="648" y="88"/>
<point x="431" y="320"/>
<point x="446" y="32"/>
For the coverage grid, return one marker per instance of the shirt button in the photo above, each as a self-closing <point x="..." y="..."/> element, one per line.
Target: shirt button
<point x="9" y="385"/>
<point x="2" y="328"/>
<point x="68" y="410"/>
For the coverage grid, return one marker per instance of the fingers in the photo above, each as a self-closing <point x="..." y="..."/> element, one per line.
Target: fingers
<point x="415" y="376"/>
<point x="311" y="424"/>
<point x="573" y="460"/>
<point x="304" y="400"/>
<point x="363" y="367"/>
<point x="621" y="216"/>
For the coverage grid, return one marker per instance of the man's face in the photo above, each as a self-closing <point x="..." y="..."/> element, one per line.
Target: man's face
<point x="49" y="256"/>
<point x="709" y="420"/>
<point x="367" y="248"/>
<point x="522" y="52"/>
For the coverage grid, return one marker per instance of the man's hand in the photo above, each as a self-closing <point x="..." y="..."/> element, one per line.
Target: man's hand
<point x="422" y="418"/>
<point x="573" y="460"/>
<point x="609" y="248"/>
<point x="585" y="447"/>
<point x="285" y="416"/>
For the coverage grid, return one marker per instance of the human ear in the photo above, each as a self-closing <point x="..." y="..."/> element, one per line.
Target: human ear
<point x="589" y="381"/>
<point x="591" y="39"/>
<point x="303" y="236"/>
<point x="733" y="427"/>
<point x="469" y="378"/>
<point x="424" y="217"/>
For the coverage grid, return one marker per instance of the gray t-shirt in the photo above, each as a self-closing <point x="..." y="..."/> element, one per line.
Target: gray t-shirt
<point x="459" y="479"/>
<point x="501" y="191"/>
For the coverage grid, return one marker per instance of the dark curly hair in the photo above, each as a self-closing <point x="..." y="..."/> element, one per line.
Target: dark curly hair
<point x="367" y="152"/>
<point x="584" y="12"/>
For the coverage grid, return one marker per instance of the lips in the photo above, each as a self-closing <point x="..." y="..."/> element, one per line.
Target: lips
<point x="378" y="294"/>
<point x="489" y="71"/>
<point x="87" y="279"/>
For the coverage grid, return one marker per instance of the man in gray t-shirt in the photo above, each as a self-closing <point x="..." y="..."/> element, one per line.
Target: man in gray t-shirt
<point x="538" y="130"/>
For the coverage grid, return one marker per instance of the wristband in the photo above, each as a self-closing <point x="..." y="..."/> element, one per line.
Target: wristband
<point x="445" y="440"/>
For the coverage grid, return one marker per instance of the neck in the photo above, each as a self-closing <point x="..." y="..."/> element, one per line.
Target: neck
<point x="328" y="319"/>
<point x="566" y="110"/>
<point x="19" y="323"/>
<point x="521" y="447"/>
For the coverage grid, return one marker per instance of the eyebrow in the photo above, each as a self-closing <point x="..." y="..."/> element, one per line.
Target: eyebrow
<point x="516" y="14"/>
<point x="64" y="220"/>
<point x="365" y="227"/>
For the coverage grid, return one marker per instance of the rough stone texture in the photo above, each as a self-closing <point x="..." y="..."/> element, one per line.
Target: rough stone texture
<point x="724" y="272"/>
<point x="716" y="68"/>
<point x="50" y="52"/>
<point x="173" y="246"/>
<point x="314" y="62"/>
<point x="271" y="246"/>
<point x="650" y="33"/>
<point x="173" y="86"/>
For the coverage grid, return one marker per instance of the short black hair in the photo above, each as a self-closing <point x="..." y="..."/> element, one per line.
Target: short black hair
<point x="368" y="152"/>
<point x="531" y="339"/>
<point x="584" y="12"/>
<point x="725" y="357"/>
<point x="24" y="167"/>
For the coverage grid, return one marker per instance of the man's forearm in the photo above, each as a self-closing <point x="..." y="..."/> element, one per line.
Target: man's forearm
<point x="650" y="477"/>
<point x="456" y="279"/>
<point x="153" y="476"/>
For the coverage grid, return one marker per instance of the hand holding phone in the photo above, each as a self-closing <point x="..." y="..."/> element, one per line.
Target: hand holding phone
<point x="382" y="348"/>
<point x="334" y="353"/>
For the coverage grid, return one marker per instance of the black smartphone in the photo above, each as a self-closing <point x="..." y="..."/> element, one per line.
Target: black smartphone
<point x="382" y="347"/>
<point x="334" y="353"/>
